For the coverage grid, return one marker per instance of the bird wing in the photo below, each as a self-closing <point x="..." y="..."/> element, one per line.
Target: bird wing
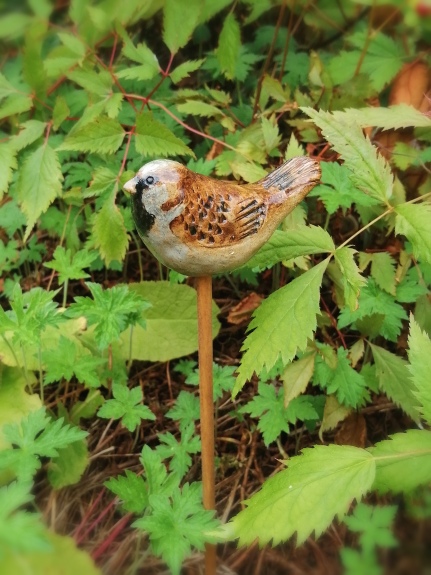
<point x="218" y="214"/>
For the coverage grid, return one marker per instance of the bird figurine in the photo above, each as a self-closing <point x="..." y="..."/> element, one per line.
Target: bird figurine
<point x="201" y="226"/>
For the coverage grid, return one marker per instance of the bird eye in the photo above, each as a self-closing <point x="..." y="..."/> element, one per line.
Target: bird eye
<point x="149" y="180"/>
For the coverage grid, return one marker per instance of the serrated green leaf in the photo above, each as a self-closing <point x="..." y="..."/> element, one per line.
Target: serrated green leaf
<point x="60" y="113"/>
<point x="333" y="413"/>
<point x="126" y="406"/>
<point x="109" y="232"/>
<point x="8" y="163"/>
<point x="6" y="88"/>
<point x="383" y="271"/>
<point x="39" y="183"/>
<point x="420" y="367"/>
<point x="369" y="171"/>
<point x="229" y="45"/>
<point x="15" y="104"/>
<point x="282" y="246"/>
<point x="413" y="221"/>
<point x="103" y="135"/>
<point x="271" y="135"/>
<point x="291" y="309"/>
<point x="294" y="149"/>
<point x="296" y="376"/>
<point x="179" y="21"/>
<point x="394" y="380"/>
<point x="173" y="311"/>
<point x="374" y="523"/>
<point x="29" y="133"/>
<point x="391" y="118"/>
<point x="68" y="266"/>
<point x="131" y="489"/>
<point x="317" y="486"/>
<point x="337" y="190"/>
<point x="94" y="82"/>
<point x="185" y="69"/>
<point x="352" y="279"/>
<point x="103" y="180"/>
<point x="403" y="462"/>
<point x="152" y="138"/>
<point x="199" y="108"/>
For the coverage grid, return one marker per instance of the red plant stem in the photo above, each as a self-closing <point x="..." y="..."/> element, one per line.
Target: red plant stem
<point x="183" y="124"/>
<point x="126" y="152"/>
<point x="204" y="299"/>
<point x="87" y="515"/>
<point x="98" y="519"/>
<point x="118" y="527"/>
<point x="165" y="74"/>
<point x="114" y="48"/>
<point x="334" y="322"/>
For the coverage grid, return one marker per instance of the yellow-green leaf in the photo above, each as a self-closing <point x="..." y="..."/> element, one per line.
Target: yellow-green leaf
<point x="296" y="376"/>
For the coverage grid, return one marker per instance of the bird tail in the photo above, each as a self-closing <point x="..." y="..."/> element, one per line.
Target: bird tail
<point x="295" y="177"/>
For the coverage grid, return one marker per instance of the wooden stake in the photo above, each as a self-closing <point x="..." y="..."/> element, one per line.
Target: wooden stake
<point x="204" y="296"/>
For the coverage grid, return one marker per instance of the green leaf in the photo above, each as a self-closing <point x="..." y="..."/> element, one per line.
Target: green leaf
<point x="173" y="311"/>
<point x="179" y="21"/>
<point x="104" y="180"/>
<point x="127" y="406"/>
<point x="377" y="314"/>
<point x="369" y="170"/>
<point x="352" y="279"/>
<point x="70" y="360"/>
<point x="111" y="311"/>
<point x="223" y="379"/>
<point x="420" y="367"/>
<point x="383" y="271"/>
<point x="29" y="133"/>
<point x="15" y="104"/>
<point x="131" y="489"/>
<point x="347" y="384"/>
<point x="229" y="45"/>
<point x="109" y="232"/>
<point x="296" y="376"/>
<point x="317" y="486"/>
<point x="199" y="108"/>
<point x="413" y="222"/>
<point x="295" y="149"/>
<point x="337" y="190"/>
<point x="391" y="118"/>
<point x="395" y="381"/>
<point x="185" y="69"/>
<point x="33" y="437"/>
<point x="179" y="451"/>
<point x="283" y="246"/>
<point x="60" y="113"/>
<point x="8" y="163"/>
<point x="39" y="183"/>
<point x="178" y="523"/>
<point x="68" y="266"/>
<point x="403" y="462"/>
<point x="103" y="136"/>
<point x="67" y="468"/>
<point x="374" y="523"/>
<point x="291" y="309"/>
<point x="185" y="410"/>
<point x="152" y="138"/>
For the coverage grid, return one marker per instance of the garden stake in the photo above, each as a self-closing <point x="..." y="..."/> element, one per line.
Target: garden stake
<point x="204" y="299"/>
<point x="199" y="227"/>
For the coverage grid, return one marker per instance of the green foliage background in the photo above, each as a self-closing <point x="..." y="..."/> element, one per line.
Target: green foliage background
<point x="91" y="90"/>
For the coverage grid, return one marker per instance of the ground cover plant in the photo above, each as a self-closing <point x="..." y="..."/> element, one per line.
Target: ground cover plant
<point x="322" y="341"/>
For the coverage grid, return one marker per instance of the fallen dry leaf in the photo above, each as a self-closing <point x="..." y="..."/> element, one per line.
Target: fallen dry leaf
<point x="243" y="310"/>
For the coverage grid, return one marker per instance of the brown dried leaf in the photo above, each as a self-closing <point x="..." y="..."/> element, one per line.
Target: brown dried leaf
<point x="243" y="310"/>
<point x="411" y="86"/>
<point x="353" y="431"/>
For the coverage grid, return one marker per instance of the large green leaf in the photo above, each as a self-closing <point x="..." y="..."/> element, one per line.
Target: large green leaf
<point x="282" y="246"/>
<point x="180" y="20"/>
<point x="317" y="486"/>
<point x="229" y="46"/>
<point x="413" y="221"/>
<point x="369" y="170"/>
<point x="152" y="138"/>
<point x="39" y="183"/>
<point x="282" y="324"/>
<point x="403" y="462"/>
<point x="109" y="232"/>
<point x="171" y="323"/>
<point x="420" y="367"/>
<point x="103" y="135"/>
<point x="395" y="381"/>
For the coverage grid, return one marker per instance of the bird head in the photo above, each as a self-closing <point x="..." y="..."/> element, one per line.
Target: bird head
<point x="157" y="193"/>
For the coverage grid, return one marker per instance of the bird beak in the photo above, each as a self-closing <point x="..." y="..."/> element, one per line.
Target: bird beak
<point x="130" y="186"/>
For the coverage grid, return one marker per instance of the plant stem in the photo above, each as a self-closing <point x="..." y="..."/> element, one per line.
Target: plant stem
<point x="204" y="297"/>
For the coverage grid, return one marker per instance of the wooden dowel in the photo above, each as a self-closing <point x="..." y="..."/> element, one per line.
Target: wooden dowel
<point x="204" y="297"/>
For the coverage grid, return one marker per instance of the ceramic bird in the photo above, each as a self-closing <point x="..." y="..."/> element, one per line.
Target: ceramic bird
<point x="199" y="226"/>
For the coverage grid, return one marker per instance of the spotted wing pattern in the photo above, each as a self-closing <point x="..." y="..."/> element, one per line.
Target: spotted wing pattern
<point x="219" y="214"/>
